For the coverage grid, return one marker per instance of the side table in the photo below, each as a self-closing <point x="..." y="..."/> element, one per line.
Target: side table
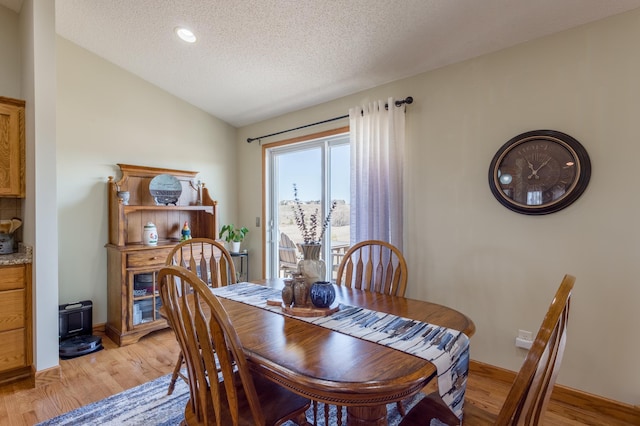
<point x="242" y="269"/>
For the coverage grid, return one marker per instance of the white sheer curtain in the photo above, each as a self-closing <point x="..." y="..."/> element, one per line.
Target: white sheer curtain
<point x="377" y="152"/>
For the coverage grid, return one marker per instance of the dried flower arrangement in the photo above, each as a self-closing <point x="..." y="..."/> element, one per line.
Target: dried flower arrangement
<point x="310" y="231"/>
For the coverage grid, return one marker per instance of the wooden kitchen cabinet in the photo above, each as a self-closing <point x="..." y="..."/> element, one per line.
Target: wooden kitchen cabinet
<point x="132" y="267"/>
<point x="16" y="356"/>
<point x="12" y="155"/>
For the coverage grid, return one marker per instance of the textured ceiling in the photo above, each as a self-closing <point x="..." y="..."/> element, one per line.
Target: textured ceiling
<point x="257" y="59"/>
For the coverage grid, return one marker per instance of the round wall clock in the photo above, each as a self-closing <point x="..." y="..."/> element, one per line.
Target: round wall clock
<point x="539" y="172"/>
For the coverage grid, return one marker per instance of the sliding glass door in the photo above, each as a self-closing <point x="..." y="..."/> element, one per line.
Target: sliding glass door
<point x="320" y="169"/>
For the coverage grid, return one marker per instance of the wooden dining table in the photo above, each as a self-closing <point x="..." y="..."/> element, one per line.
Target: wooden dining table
<point x="335" y="368"/>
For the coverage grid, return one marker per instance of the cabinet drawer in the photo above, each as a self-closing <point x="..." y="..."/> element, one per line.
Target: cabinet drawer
<point x="11" y="277"/>
<point x="12" y="349"/>
<point x="11" y="310"/>
<point x="147" y="258"/>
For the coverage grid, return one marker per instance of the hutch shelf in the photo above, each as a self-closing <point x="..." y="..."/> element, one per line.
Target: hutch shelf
<point x="132" y="267"/>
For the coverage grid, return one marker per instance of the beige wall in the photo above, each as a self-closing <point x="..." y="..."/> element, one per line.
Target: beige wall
<point x="10" y="54"/>
<point x="501" y="268"/>
<point x="107" y="116"/>
<point x="40" y="230"/>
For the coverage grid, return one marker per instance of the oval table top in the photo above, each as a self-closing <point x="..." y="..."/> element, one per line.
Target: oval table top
<point x="336" y="368"/>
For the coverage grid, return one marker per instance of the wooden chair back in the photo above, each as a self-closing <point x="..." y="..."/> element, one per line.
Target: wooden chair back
<point x="198" y="255"/>
<point x="375" y="266"/>
<point x="202" y="324"/>
<point x="288" y="253"/>
<point x="529" y="395"/>
<point x="205" y="254"/>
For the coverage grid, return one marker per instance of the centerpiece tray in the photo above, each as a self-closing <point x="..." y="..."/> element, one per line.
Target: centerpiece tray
<point x="299" y="311"/>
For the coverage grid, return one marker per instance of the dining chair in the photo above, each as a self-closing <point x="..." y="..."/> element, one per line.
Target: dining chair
<point x="207" y="258"/>
<point x="288" y="254"/>
<point x="374" y="265"/>
<point x="529" y="395"/>
<point x="202" y="255"/>
<point x="212" y="348"/>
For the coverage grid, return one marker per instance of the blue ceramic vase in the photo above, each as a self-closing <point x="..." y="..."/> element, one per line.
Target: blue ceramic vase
<point x="322" y="294"/>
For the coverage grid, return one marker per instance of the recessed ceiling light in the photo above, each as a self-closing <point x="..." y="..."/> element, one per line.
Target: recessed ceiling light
<point x="186" y="34"/>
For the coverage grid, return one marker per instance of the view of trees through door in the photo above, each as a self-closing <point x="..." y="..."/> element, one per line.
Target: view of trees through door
<point x="320" y="169"/>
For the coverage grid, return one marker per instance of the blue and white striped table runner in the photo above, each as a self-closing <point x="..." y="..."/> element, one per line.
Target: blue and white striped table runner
<point x="446" y="348"/>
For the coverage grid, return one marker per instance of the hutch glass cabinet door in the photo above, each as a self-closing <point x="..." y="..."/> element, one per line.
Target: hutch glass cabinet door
<point x="144" y="296"/>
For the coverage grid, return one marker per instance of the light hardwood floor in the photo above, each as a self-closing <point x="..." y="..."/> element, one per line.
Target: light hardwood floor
<point x="95" y="376"/>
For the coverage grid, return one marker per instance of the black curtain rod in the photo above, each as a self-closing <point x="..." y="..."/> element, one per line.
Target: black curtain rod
<point x="408" y="100"/>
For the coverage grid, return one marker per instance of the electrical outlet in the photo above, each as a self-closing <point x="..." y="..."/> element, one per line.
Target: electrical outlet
<point x="524" y="344"/>
<point x="525" y="335"/>
<point x="524" y="339"/>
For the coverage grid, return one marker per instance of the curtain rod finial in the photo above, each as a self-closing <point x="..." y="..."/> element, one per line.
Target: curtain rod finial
<point x="408" y="100"/>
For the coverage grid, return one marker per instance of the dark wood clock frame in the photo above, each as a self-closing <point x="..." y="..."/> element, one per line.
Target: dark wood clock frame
<point x="552" y="163"/>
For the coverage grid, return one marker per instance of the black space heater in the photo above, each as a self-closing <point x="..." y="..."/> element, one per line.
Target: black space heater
<point x="75" y="330"/>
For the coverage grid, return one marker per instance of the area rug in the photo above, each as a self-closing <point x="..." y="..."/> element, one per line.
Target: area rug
<point x="149" y="405"/>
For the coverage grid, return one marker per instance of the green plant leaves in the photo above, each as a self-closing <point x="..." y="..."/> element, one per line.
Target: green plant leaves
<point x="230" y="233"/>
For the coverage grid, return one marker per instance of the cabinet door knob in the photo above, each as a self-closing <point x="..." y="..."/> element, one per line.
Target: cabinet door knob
<point x="155" y="258"/>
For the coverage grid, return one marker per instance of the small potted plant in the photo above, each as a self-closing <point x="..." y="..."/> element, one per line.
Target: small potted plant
<point x="233" y="235"/>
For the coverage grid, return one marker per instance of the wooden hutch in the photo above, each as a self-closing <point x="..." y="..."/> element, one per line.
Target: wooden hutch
<point x="16" y="319"/>
<point x="132" y="267"/>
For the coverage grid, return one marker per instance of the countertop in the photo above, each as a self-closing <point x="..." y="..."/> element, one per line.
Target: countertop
<point x="22" y="256"/>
